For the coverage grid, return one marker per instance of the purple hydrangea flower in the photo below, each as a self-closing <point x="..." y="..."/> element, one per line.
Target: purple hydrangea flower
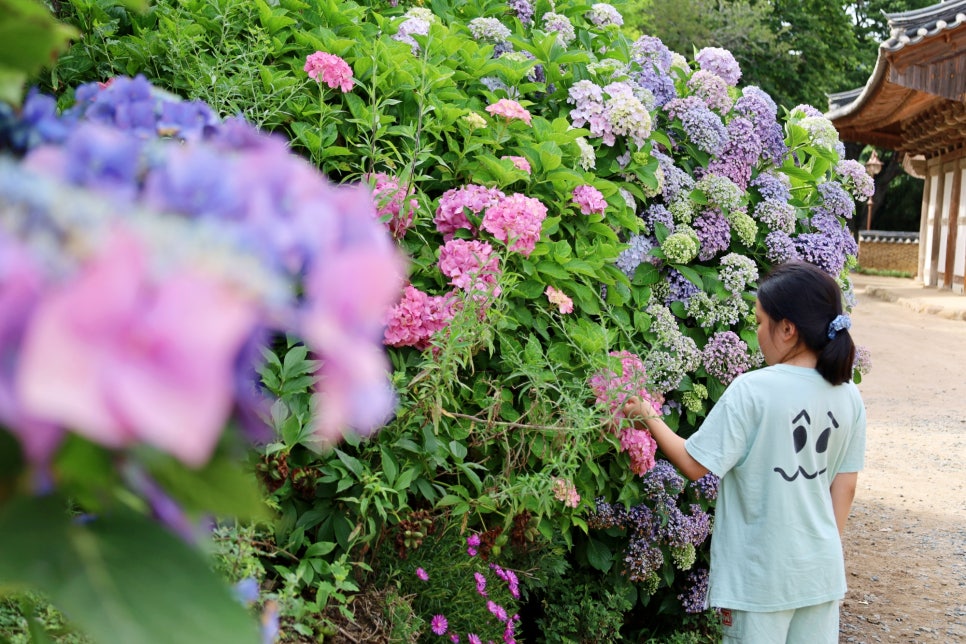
<point x="639" y="247"/>
<point x="681" y="288"/>
<point x="714" y="233"/>
<point x="740" y="154"/>
<point x="779" y="247"/>
<point x="523" y="10"/>
<point x="773" y="185"/>
<point x="702" y="126"/>
<point x="693" y="599"/>
<point x="706" y="487"/>
<point x="776" y="215"/>
<point x="654" y="59"/>
<point x="725" y="356"/>
<point x="676" y="180"/>
<point x="712" y="89"/>
<point x="721" y="62"/>
<point x="836" y="200"/>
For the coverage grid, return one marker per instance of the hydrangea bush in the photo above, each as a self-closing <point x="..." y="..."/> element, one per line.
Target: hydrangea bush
<point x="586" y="217"/>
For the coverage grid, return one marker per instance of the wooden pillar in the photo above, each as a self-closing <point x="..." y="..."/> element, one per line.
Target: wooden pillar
<point x="952" y="180"/>
<point x="957" y="235"/>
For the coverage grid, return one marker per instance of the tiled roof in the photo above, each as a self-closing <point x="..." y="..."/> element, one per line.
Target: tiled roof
<point x="909" y="27"/>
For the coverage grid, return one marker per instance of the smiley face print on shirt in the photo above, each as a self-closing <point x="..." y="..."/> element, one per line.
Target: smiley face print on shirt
<point x="815" y="456"/>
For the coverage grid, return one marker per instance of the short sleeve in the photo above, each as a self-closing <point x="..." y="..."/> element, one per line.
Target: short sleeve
<point x="722" y="440"/>
<point x="853" y="459"/>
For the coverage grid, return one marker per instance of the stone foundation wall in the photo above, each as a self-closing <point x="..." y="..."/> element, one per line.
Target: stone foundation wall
<point x="889" y="251"/>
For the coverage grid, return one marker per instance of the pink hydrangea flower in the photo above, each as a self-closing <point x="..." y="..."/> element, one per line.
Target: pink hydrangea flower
<point x="112" y="355"/>
<point x="451" y="212"/>
<point x="413" y="321"/>
<point x="391" y="204"/>
<point x="640" y="446"/>
<point x="509" y="110"/>
<point x="332" y="70"/>
<point x="558" y="297"/>
<point x="470" y="265"/>
<point x="516" y="220"/>
<point x="520" y="162"/>
<point x="590" y="200"/>
<point x="612" y="389"/>
<point x="347" y="296"/>
<point x="565" y="492"/>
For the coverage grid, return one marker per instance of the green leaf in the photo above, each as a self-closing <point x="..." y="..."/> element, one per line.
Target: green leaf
<point x="389" y="466"/>
<point x="121" y="577"/>
<point x="355" y="465"/>
<point x="599" y="555"/>
<point x="221" y="487"/>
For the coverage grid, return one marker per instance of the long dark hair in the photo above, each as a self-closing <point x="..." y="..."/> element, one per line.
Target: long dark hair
<point x="809" y="298"/>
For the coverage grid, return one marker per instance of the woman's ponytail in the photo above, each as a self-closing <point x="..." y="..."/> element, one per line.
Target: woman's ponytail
<point x="810" y="299"/>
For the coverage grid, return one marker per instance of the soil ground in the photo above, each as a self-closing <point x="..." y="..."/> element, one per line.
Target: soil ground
<point x="905" y="543"/>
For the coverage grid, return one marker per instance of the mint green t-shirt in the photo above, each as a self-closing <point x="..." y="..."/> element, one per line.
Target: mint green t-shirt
<point x="777" y="438"/>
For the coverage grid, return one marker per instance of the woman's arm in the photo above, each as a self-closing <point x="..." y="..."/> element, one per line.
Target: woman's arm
<point x="670" y="443"/>
<point x="843" y="491"/>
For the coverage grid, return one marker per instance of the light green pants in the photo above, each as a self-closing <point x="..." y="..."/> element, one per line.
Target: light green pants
<point x="818" y="624"/>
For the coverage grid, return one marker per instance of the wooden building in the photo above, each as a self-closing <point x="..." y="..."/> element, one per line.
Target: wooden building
<point x="915" y="103"/>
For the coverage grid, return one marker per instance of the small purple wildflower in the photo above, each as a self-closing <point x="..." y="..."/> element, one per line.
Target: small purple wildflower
<point x="422" y="574"/>
<point x="480" y="583"/>
<point x="439" y="624"/>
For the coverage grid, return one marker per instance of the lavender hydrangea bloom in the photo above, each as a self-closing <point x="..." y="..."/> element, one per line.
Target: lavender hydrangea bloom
<point x="662" y="480"/>
<point x="560" y="24"/>
<point x="721" y="62"/>
<point x="642" y="559"/>
<point x="714" y="233"/>
<point x="836" y="200"/>
<point x="657" y="214"/>
<point x="676" y="180"/>
<point x="409" y="28"/>
<point x="740" y="154"/>
<point x="604" y="15"/>
<point x="702" y="126"/>
<point x="779" y="247"/>
<point x="488" y="29"/>
<point x="776" y="215"/>
<point x="737" y="272"/>
<point x="773" y="185"/>
<point x="726" y="356"/>
<point x="38" y="124"/>
<point x="706" y="487"/>
<point x="721" y="191"/>
<point x="102" y="158"/>
<point x="855" y="179"/>
<point x="693" y="599"/>
<point x="654" y="60"/>
<point x="523" y="10"/>
<point x="606" y="515"/>
<point x="712" y="89"/>
<point x="639" y="246"/>
<point x="681" y="289"/>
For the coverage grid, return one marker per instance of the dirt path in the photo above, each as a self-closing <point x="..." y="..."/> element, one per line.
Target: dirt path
<point x="905" y="545"/>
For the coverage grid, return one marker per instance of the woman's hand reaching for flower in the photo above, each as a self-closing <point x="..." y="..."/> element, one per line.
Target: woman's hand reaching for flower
<point x="636" y="409"/>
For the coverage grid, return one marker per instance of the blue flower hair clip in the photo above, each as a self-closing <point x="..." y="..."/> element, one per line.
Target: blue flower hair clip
<point x="840" y="323"/>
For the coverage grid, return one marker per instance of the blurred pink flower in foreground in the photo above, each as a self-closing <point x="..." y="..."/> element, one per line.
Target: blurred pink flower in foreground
<point x="333" y="71"/>
<point x="119" y="357"/>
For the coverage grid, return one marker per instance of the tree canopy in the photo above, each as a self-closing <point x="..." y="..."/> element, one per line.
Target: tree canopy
<point x="796" y="50"/>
